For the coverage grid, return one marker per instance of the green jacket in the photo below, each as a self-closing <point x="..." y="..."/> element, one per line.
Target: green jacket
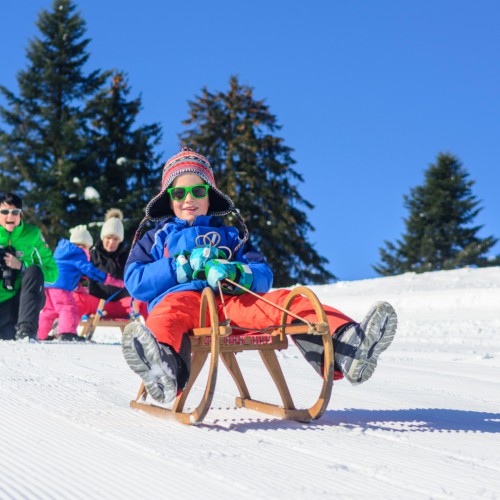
<point x="31" y="249"/>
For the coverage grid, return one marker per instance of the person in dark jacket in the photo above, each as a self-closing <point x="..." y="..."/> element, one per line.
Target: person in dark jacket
<point x="109" y="255"/>
<point x="72" y="260"/>
<point x="191" y="248"/>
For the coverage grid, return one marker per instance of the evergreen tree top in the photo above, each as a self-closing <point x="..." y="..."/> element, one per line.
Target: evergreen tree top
<point x="236" y="132"/>
<point x="440" y="233"/>
<point x="66" y="130"/>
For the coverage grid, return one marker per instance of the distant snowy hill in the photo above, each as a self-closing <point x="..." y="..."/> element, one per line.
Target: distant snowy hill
<point x="426" y="426"/>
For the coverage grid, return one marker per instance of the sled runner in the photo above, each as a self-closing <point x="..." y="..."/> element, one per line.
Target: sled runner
<point x="214" y="340"/>
<point x="99" y="319"/>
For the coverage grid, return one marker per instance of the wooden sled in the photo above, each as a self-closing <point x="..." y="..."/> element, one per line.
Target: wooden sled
<point x="99" y="319"/>
<point x="220" y="341"/>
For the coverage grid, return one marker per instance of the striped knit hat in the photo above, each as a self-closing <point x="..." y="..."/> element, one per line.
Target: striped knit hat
<point x="187" y="161"/>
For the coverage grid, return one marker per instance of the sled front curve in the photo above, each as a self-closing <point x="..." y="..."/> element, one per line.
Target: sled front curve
<point x="221" y="341"/>
<point x="197" y="362"/>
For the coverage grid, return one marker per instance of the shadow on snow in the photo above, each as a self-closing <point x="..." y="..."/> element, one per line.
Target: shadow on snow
<point x="416" y="420"/>
<point x="406" y="420"/>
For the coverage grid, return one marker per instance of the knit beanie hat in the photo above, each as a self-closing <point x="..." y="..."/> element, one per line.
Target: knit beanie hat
<point x="81" y="236"/>
<point x="113" y="225"/>
<point x="187" y="161"/>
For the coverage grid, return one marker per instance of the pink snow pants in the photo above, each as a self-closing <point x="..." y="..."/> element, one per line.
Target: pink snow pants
<point x="59" y="304"/>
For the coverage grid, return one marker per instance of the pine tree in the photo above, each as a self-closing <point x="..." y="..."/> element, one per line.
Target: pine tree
<point x="124" y="155"/>
<point x="236" y="133"/>
<point x="43" y="149"/>
<point x="439" y="231"/>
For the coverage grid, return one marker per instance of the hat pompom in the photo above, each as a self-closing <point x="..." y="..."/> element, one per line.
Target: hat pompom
<point x="113" y="212"/>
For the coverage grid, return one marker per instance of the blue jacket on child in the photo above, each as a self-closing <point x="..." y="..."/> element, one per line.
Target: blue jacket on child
<point x="150" y="272"/>
<point x="73" y="263"/>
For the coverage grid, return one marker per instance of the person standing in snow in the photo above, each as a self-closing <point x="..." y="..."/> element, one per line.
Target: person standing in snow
<point x="27" y="262"/>
<point x="191" y="248"/>
<point x="109" y="255"/>
<point x="72" y="259"/>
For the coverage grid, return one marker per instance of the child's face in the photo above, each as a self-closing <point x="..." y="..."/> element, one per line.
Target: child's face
<point x="189" y="208"/>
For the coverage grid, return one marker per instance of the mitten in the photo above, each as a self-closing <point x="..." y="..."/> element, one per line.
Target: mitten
<point x="218" y="269"/>
<point x="114" y="281"/>
<point x="183" y="270"/>
<point x="201" y="255"/>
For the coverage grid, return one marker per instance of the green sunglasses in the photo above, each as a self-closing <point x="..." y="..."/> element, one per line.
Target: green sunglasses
<point x="197" y="191"/>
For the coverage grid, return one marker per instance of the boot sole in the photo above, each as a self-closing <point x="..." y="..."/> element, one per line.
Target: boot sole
<point x="380" y="330"/>
<point x="142" y="353"/>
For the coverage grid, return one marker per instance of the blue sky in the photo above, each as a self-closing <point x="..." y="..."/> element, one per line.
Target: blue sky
<point x="367" y="92"/>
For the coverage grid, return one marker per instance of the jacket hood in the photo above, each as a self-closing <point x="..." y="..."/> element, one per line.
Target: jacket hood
<point x="67" y="250"/>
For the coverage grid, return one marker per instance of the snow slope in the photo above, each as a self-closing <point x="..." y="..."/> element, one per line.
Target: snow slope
<point x="426" y="426"/>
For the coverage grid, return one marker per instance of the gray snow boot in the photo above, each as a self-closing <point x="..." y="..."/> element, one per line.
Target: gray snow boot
<point x="358" y="347"/>
<point x="155" y="363"/>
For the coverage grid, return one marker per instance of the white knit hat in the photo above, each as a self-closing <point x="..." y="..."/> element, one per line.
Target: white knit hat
<point x="113" y="224"/>
<point x="81" y="236"/>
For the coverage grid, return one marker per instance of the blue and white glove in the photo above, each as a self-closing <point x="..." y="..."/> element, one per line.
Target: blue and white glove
<point x="183" y="270"/>
<point x="201" y="255"/>
<point x="219" y="269"/>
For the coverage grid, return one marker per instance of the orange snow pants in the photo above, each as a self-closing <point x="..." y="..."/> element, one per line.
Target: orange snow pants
<point x="179" y="312"/>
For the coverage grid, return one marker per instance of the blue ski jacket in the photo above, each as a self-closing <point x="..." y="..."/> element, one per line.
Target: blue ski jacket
<point x="73" y="263"/>
<point x="150" y="272"/>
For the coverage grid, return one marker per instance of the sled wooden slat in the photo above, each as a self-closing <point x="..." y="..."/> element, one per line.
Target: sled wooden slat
<point x="220" y="341"/>
<point x="206" y="331"/>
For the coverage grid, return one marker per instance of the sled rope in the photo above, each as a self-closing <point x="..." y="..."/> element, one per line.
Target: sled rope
<point x="133" y="314"/>
<point x="100" y="312"/>
<point x="312" y="328"/>
<point x="227" y="321"/>
<point x="213" y="239"/>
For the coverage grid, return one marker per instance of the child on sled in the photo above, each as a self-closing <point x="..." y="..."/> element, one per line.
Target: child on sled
<point x="191" y="248"/>
<point x="72" y="259"/>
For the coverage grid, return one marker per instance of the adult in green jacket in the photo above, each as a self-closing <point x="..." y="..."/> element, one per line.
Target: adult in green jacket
<point x="26" y="262"/>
